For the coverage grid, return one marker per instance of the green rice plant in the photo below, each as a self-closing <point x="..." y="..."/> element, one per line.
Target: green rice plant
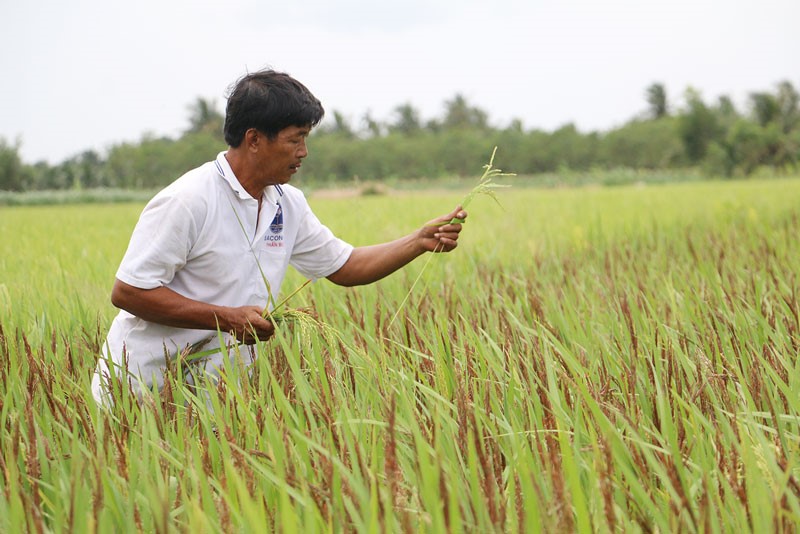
<point x="486" y="186"/>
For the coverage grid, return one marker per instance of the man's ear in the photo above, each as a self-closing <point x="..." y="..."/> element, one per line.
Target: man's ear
<point x="252" y="139"/>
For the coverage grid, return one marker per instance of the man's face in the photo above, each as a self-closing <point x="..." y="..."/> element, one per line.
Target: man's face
<point x="280" y="157"/>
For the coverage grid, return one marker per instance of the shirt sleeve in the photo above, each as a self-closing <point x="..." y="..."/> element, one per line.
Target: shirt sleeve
<point x="159" y="245"/>
<point x="317" y="253"/>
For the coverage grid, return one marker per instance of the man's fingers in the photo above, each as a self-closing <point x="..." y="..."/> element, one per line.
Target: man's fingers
<point x="447" y="234"/>
<point x="255" y="328"/>
<point x="445" y="245"/>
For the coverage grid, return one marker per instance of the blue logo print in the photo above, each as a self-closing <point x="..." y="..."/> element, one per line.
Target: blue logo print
<point x="276" y="226"/>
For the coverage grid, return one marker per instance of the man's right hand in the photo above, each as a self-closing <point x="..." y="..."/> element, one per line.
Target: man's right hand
<point x="247" y="324"/>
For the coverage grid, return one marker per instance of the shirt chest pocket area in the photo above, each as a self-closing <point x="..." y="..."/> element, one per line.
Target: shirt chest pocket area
<point x="271" y="253"/>
<point x="272" y="261"/>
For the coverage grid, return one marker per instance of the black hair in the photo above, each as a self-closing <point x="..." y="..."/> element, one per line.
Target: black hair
<point x="269" y="101"/>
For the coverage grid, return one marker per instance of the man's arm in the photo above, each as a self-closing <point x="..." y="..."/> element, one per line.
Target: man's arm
<point x="164" y="306"/>
<point x="371" y="263"/>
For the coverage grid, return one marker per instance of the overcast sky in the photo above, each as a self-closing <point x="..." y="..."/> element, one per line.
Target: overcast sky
<point x="91" y="73"/>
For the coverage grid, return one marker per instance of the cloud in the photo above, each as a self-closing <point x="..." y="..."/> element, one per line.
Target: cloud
<point x="350" y="16"/>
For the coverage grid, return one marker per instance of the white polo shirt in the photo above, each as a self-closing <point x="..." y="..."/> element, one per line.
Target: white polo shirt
<point x="199" y="237"/>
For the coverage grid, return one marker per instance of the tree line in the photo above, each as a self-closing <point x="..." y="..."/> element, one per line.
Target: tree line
<point x="715" y="137"/>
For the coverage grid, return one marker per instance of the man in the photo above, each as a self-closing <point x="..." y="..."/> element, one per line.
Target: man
<point x="210" y="251"/>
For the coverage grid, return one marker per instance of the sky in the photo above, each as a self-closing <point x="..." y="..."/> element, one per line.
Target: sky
<point x="90" y="74"/>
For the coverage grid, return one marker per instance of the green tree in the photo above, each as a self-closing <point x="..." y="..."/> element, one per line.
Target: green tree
<point x="642" y="144"/>
<point x="13" y="174"/>
<point x="750" y="144"/>
<point x="698" y="127"/>
<point x="460" y="115"/>
<point x="148" y="164"/>
<point x="726" y="113"/>
<point x="515" y="126"/>
<point x="204" y="117"/>
<point x="656" y="95"/>
<point x="45" y="176"/>
<point x="372" y="127"/>
<point x="777" y="115"/>
<point x="788" y="106"/>
<point x="341" y="126"/>
<point x="407" y="121"/>
<point x="765" y="108"/>
<point x="85" y="170"/>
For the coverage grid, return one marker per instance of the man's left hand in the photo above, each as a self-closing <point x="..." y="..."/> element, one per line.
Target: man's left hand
<point x="441" y="234"/>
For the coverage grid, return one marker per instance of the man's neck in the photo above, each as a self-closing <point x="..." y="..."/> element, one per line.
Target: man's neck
<point x="244" y="173"/>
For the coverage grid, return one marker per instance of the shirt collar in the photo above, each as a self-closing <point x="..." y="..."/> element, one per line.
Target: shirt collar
<point x="224" y="170"/>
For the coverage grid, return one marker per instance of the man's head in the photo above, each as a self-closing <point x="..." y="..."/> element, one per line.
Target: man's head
<point x="269" y="101"/>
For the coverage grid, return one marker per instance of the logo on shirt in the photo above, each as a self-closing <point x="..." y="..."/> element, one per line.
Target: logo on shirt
<point x="276" y="226"/>
<point x="275" y="237"/>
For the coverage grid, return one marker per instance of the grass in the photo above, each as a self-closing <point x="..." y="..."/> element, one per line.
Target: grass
<point x="74" y="196"/>
<point x="588" y="360"/>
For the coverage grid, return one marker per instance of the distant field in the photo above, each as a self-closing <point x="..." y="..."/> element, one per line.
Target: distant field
<point x="588" y="359"/>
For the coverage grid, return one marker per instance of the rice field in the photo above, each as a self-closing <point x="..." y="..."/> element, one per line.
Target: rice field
<point x="588" y="360"/>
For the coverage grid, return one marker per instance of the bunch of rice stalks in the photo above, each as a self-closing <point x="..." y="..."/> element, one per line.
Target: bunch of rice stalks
<point x="288" y="315"/>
